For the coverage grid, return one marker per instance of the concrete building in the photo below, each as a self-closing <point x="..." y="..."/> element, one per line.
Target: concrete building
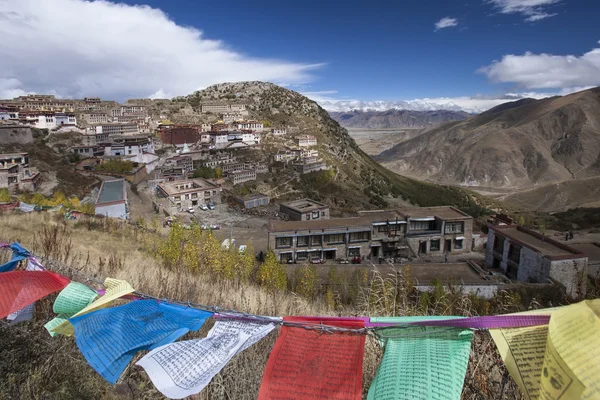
<point x="250" y="125"/>
<point x="311" y="165"/>
<point x="179" y="135"/>
<point x="284" y="157"/>
<point x="304" y="210"/>
<point x="237" y="177"/>
<point x="129" y="146"/>
<point x="183" y="194"/>
<point x="47" y="119"/>
<point x="230" y="117"/>
<point x="253" y="200"/>
<point x="114" y="129"/>
<point x="177" y="166"/>
<point x="87" y="151"/>
<point x="112" y="200"/>
<point x="527" y="256"/>
<point x="223" y="108"/>
<point x="95" y="118"/>
<point x="16" y="174"/>
<point x="279" y="132"/>
<point x="306" y="141"/>
<point x="374" y="234"/>
<point x="93" y="139"/>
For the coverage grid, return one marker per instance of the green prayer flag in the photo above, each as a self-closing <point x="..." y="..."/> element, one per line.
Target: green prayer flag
<point x="72" y="299"/>
<point x="59" y="319"/>
<point x="421" y="362"/>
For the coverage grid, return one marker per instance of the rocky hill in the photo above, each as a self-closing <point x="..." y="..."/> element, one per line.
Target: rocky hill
<point x="520" y="146"/>
<point x="396" y="118"/>
<point x="355" y="181"/>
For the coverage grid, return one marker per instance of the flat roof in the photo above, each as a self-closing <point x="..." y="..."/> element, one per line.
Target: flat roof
<point x="304" y="205"/>
<point x="442" y="212"/>
<point x="591" y="250"/>
<point x="533" y="240"/>
<point x="352" y="222"/>
<point x="456" y="272"/>
<point x="252" y="197"/>
<point x="112" y="191"/>
<point x="170" y="188"/>
<point x="13" y="155"/>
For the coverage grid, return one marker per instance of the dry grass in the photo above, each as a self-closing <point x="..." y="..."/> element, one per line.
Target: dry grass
<point x="40" y="367"/>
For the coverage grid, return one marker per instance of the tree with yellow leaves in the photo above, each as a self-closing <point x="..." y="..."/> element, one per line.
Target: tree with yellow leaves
<point x="272" y="274"/>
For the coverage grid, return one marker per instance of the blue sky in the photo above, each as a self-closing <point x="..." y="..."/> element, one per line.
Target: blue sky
<point x="342" y="53"/>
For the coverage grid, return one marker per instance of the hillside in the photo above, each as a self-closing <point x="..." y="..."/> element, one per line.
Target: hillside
<point x="519" y="146"/>
<point x="396" y="118"/>
<point x="356" y="181"/>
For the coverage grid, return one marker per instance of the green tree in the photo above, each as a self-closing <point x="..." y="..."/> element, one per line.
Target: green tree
<point x="4" y="196"/>
<point x="204" y="172"/>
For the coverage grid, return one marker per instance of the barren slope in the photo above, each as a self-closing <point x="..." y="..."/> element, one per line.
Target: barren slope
<point x="521" y="145"/>
<point x="396" y="118"/>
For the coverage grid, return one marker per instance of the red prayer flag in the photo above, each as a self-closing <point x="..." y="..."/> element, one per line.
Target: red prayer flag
<point x="312" y="364"/>
<point x="21" y="288"/>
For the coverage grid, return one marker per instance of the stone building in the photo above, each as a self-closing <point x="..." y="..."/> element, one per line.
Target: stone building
<point x="306" y="141"/>
<point x="310" y="165"/>
<point x="528" y="256"/>
<point x="253" y="200"/>
<point x="304" y="210"/>
<point x="16" y="174"/>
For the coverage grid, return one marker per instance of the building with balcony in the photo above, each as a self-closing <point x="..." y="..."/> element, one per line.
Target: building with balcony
<point x="183" y="194"/>
<point x="411" y="232"/>
<point x="223" y="108"/>
<point x="528" y="256"/>
<point x="304" y="210"/>
<point x="112" y="200"/>
<point x="95" y="118"/>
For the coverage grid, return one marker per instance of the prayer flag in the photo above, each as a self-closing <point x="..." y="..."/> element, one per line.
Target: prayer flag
<point x="72" y="299"/>
<point x="421" y="362"/>
<point x="555" y="361"/>
<point x="26" y="208"/>
<point x="315" y="364"/>
<point x="109" y="338"/>
<point x="21" y="288"/>
<point x="184" y="368"/>
<point x="115" y="289"/>
<point x="19" y="253"/>
<point x="26" y="313"/>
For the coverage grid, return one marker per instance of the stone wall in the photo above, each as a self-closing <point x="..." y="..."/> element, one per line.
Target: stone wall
<point x="571" y="274"/>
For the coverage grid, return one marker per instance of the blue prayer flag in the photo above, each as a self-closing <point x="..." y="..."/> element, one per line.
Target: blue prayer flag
<point x="109" y="338"/>
<point x="19" y="253"/>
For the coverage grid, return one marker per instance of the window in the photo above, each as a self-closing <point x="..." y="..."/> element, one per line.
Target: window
<point x="334" y="238"/>
<point x="302" y="241"/>
<point x="458" y="244"/>
<point x="499" y="244"/>
<point x="322" y="213"/>
<point x="360" y="236"/>
<point x="316" y="240"/>
<point x="315" y="215"/>
<point x="434" y="245"/>
<point x="307" y="216"/>
<point x="454" y="227"/>
<point x="382" y="228"/>
<point x="514" y="253"/>
<point x="354" y="252"/>
<point x="281" y="242"/>
<point x="420" y="225"/>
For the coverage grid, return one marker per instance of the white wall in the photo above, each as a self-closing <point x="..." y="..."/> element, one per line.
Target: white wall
<point x="113" y="211"/>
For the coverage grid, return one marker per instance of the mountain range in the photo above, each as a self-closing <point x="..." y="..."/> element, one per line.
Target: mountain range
<point x="396" y="118"/>
<point x="537" y="149"/>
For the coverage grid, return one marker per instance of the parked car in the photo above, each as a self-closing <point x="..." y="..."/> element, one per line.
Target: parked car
<point x="343" y="261"/>
<point x="204" y="207"/>
<point x="191" y="210"/>
<point x="211" y="206"/>
<point x="316" y="260"/>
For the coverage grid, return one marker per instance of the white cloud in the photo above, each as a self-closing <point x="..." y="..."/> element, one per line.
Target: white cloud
<point x="546" y="70"/>
<point x="81" y="48"/>
<point x="445" y="22"/>
<point x="534" y="10"/>
<point x="471" y="104"/>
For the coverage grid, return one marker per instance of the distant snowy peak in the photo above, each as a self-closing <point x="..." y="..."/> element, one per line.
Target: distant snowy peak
<point x="410" y="105"/>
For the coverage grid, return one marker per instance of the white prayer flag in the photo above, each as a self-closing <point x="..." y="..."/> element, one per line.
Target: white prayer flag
<point x="26" y="207"/>
<point x="184" y="368"/>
